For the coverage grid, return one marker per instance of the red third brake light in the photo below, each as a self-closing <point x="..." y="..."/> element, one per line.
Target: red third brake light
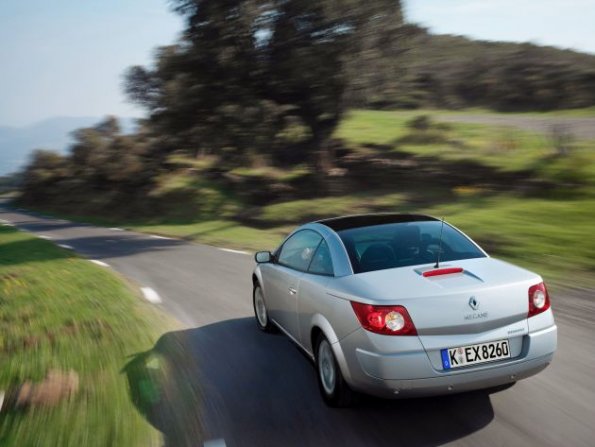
<point x="444" y="271"/>
<point x="539" y="299"/>
<point x="387" y="320"/>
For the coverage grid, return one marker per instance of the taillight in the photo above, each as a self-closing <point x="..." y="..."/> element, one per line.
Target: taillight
<point x="539" y="299"/>
<point x="387" y="320"/>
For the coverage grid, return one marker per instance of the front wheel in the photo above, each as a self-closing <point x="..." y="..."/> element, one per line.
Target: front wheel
<point x="334" y="389"/>
<point x="260" y="310"/>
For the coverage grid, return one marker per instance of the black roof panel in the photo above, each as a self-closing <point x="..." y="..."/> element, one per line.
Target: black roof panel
<point x="367" y="220"/>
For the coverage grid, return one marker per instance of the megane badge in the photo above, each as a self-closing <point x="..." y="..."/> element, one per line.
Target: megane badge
<point x="473" y="303"/>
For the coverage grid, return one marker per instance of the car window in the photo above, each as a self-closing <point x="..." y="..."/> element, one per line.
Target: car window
<point x="393" y="245"/>
<point x="298" y="250"/>
<point x="322" y="263"/>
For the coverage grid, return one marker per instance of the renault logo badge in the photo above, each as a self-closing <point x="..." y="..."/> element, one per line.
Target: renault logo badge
<point x="473" y="303"/>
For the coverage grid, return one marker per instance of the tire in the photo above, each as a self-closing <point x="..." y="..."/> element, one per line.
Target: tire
<point x="333" y="388"/>
<point x="260" y="311"/>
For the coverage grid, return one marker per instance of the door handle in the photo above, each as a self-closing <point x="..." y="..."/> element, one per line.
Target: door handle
<point x="292" y="291"/>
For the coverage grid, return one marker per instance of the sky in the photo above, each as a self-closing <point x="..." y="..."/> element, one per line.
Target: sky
<point x="67" y="57"/>
<point x="560" y="23"/>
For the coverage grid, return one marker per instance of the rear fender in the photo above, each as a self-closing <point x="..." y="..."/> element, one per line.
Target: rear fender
<point x="320" y="322"/>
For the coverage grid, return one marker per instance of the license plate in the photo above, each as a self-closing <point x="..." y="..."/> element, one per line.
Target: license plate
<point x="475" y="354"/>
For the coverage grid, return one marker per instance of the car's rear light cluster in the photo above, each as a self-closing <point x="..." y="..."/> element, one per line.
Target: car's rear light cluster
<point x="387" y="320"/>
<point x="539" y="299"/>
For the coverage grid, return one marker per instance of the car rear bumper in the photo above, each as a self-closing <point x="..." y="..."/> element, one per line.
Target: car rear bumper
<point x="409" y="373"/>
<point x="456" y="383"/>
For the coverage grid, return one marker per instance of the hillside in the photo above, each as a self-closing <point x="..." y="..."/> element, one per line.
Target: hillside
<point x="435" y="47"/>
<point x="451" y="71"/>
<point x="489" y="180"/>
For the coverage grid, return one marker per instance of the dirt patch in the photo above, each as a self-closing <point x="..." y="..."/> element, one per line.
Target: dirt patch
<point x="56" y="386"/>
<point x="9" y="277"/>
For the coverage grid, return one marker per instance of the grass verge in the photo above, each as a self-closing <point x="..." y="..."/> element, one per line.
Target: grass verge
<point x="60" y="312"/>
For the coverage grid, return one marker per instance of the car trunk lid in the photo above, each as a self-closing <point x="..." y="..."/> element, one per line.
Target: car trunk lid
<point x="481" y="295"/>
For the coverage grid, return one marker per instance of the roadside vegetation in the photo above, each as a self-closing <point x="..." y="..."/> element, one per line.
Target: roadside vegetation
<point x="67" y="330"/>
<point x="514" y="191"/>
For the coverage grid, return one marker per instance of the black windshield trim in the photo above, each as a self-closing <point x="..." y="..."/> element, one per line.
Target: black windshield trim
<point x="368" y="220"/>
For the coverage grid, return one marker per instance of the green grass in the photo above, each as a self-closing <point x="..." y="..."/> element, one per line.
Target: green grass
<point x="586" y="112"/>
<point x="551" y="237"/>
<point x="271" y="173"/>
<point x="503" y="148"/>
<point x="302" y="211"/>
<point x="58" y="311"/>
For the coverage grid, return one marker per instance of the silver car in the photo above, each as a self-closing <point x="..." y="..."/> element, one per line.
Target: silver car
<point x="402" y="305"/>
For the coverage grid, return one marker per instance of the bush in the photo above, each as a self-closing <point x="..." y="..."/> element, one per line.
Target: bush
<point x="422" y="130"/>
<point x="420" y="123"/>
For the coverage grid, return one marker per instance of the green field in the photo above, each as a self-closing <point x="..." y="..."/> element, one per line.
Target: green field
<point x="60" y="312"/>
<point x="528" y="203"/>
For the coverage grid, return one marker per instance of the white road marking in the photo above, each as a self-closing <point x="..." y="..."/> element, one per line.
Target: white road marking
<point x="67" y="247"/>
<point x="150" y="295"/>
<point x="101" y="263"/>
<point x="215" y="443"/>
<point x="47" y="238"/>
<point x="116" y="229"/>
<point x="154" y="236"/>
<point x="7" y="225"/>
<point x="239" y="252"/>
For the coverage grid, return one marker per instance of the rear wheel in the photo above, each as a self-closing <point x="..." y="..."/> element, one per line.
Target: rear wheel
<point x="260" y="310"/>
<point x="334" y="389"/>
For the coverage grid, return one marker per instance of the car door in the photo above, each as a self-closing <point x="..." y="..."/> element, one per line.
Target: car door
<point x="283" y="279"/>
<point x="313" y="284"/>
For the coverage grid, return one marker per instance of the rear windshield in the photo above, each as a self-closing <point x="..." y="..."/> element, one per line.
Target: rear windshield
<point x="393" y="245"/>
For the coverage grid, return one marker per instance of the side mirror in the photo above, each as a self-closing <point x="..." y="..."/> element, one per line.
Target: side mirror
<point x="263" y="257"/>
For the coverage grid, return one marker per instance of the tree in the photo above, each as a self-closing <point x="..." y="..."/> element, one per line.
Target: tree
<point x="42" y="177"/>
<point x="205" y="92"/>
<point x="245" y="68"/>
<point x="104" y="170"/>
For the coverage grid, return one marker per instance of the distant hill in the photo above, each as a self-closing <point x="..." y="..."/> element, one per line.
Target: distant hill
<point x="449" y="71"/>
<point x="17" y="143"/>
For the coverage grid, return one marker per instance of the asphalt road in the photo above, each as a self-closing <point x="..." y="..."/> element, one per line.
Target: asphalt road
<point x="581" y="128"/>
<point x="228" y="380"/>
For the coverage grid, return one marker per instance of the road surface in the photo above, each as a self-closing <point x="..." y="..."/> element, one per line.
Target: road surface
<point x="227" y="380"/>
<point x="581" y="128"/>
